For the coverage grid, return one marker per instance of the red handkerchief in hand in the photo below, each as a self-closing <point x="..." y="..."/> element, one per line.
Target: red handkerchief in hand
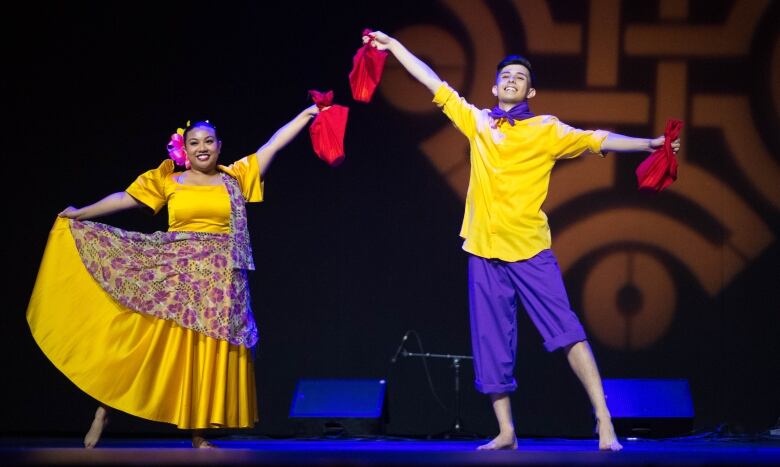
<point x="327" y="129"/>
<point x="367" y="66"/>
<point x="659" y="170"/>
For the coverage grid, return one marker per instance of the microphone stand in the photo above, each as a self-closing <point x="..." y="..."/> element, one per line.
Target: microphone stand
<point x="456" y="430"/>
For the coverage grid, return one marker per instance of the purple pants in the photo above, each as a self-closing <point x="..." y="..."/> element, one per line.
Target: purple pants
<point x="494" y="288"/>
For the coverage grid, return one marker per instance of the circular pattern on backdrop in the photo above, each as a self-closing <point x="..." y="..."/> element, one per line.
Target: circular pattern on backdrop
<point x="629" y="300"/>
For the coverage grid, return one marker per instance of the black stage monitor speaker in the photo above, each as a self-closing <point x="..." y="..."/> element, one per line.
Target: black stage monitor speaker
<point x="338" y="407"/>
<point x="650" y="408"/>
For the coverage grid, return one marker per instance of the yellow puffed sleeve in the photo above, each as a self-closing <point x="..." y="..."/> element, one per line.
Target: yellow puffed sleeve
<point x="247" y="172"/>
<point x="149" y="187"/>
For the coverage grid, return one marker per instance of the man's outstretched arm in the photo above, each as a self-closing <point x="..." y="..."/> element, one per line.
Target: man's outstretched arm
<point x="620" y="143"/>
<point x="416" y="67"/>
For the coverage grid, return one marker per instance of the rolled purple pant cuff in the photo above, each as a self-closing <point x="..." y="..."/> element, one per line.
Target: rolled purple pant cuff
<point x="495" y="388"/>
<point x="562" y="340"/>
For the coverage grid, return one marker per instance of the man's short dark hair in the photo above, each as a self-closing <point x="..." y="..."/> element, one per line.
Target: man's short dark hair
<point x="516" y="60"/>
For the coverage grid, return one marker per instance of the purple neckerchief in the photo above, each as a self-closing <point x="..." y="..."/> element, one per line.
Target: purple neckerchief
<point x="518" y="112"/>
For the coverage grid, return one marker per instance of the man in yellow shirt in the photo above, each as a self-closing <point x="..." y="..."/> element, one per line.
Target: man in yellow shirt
<point x="506" y="233"/>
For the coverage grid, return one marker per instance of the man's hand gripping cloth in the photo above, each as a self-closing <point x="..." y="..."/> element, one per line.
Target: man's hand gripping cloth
<point x="659" y="169"/>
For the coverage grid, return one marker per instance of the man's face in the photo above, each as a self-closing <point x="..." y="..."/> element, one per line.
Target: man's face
<point x="513" y="84"/>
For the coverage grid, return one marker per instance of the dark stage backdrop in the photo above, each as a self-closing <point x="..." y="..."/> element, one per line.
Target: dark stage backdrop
<point x="678" y="285"/>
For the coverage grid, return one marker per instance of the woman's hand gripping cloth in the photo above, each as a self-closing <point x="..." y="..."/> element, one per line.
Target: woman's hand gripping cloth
<point x="327" y="129"/>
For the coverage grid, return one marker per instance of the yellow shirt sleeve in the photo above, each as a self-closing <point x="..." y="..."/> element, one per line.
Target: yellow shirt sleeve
<point x="462" y="114"/>
<point x="570" y="142"/>
<point x="247" y="172"/>
<point x="149" y="187"/>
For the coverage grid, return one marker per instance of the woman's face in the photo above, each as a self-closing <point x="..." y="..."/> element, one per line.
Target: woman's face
<point x="202" y="147"/>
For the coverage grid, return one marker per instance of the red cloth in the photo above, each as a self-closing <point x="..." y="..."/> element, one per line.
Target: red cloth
<point x="659" y="169"/>
<point x="327" y="129"/>
<point x="367" y="66"/>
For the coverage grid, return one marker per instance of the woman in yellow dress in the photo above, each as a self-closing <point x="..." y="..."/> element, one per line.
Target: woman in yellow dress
<point x="160" y="325"/>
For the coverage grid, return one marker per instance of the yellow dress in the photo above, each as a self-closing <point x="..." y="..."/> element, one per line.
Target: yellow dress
<point x="145" y="366"/>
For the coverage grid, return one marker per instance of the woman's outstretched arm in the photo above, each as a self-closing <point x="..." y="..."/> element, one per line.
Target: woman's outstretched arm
<point x="283" y="136"/>
<point x="112" y="203"/>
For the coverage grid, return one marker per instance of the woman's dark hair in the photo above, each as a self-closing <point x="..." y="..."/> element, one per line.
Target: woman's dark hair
<point x="205" y="123"/>
<point x="516" y="60"/>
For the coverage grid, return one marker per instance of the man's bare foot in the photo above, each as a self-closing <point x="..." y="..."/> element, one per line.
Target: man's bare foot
<point x="93" y="435"/>
<point x="502" y="441"/>
<point x="607" y="438"/>
<point x="199" y="442"/>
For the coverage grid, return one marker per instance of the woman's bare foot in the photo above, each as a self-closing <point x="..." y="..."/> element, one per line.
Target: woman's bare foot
<point x="199" y="442"/>
<point x="93" y="435"/>
<point x="607" y="438"/>
<point x="502" y="441"/>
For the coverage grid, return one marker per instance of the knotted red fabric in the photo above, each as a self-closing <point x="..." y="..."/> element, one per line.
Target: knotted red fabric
<point x="327" y="129"/>
<point x="367" y="66"/>
<point x="659" y="169"/>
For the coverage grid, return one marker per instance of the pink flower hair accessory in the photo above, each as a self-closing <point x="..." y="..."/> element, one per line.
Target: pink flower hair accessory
<point x="176" y="148"/>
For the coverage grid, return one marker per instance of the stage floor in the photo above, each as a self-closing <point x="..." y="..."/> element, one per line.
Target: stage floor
<point x="388" y="451"/>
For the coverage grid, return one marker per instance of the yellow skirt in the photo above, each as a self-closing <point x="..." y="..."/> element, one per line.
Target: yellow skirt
<point x="147" y="367"/>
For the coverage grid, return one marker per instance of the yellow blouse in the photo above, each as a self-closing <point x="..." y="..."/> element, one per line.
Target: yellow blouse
<point x="197" y="208"/>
